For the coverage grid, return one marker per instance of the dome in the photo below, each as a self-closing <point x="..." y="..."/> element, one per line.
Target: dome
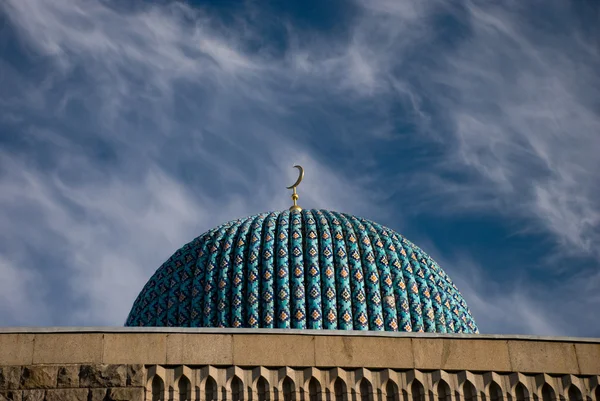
<point x="308" y="269"/>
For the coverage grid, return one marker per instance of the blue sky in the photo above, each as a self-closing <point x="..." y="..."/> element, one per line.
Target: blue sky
<point x="127" y="128"/>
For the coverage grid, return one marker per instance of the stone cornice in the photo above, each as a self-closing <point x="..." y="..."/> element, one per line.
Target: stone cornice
<point x="300" y="349"/>
<point x="304" y="332"/>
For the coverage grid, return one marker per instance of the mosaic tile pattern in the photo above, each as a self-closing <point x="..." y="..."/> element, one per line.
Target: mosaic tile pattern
<point x="313" y="269"/>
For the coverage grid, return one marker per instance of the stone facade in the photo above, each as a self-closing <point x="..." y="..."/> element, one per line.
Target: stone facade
<point x="174" y="383"/>
<point x="230" y="364"/>
<point x="72" y="382"/>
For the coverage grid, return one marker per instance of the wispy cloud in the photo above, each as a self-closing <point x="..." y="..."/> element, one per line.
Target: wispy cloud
<point x="506" y="104"/>
<point x="520" y="99"/>
<point x="128" y="131"/>
<point x="526" y="306"/>
<point x="142" y="135"/>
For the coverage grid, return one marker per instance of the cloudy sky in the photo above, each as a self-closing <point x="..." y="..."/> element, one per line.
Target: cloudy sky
<point x="127" y="128"/>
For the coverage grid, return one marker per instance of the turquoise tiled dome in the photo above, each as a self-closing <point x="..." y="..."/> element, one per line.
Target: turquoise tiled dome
<point x="313" y="269"/>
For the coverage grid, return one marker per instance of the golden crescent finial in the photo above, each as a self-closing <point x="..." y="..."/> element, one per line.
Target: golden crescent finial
<point x="295" y="206"/>
<point x="300" y="177"/>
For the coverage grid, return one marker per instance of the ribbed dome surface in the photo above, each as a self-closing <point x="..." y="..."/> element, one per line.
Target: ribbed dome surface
<point x="313" y="269"/>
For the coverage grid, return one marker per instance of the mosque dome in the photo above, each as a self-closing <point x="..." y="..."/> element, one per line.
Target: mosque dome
<point x="302" y="269"/>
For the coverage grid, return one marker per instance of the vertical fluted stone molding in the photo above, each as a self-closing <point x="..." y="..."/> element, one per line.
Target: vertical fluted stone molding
<point x="262" y="389"/>
<point x="184" y="381"/>
<point x="287" y="375"/>
<point x="156" y="388"/>
<point x="543" y="380"/>
<point x="517" y="379"/>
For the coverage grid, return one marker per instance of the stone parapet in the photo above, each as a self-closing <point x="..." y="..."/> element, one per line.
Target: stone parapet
<point x="317" y="349"/>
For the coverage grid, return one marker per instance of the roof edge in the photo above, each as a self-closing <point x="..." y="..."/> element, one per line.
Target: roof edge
<point x="307" y="332"/>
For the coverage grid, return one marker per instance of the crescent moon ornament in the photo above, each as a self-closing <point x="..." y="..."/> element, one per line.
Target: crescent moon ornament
<point x="295" y="207"/>
<point x="300" y="177"/>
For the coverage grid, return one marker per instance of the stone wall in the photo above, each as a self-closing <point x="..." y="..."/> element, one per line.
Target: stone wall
<point x="336" y="384"/>
<point x="72" y="382"/>
<point x="178" y="364"/>
<point x="174" y="383"/>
